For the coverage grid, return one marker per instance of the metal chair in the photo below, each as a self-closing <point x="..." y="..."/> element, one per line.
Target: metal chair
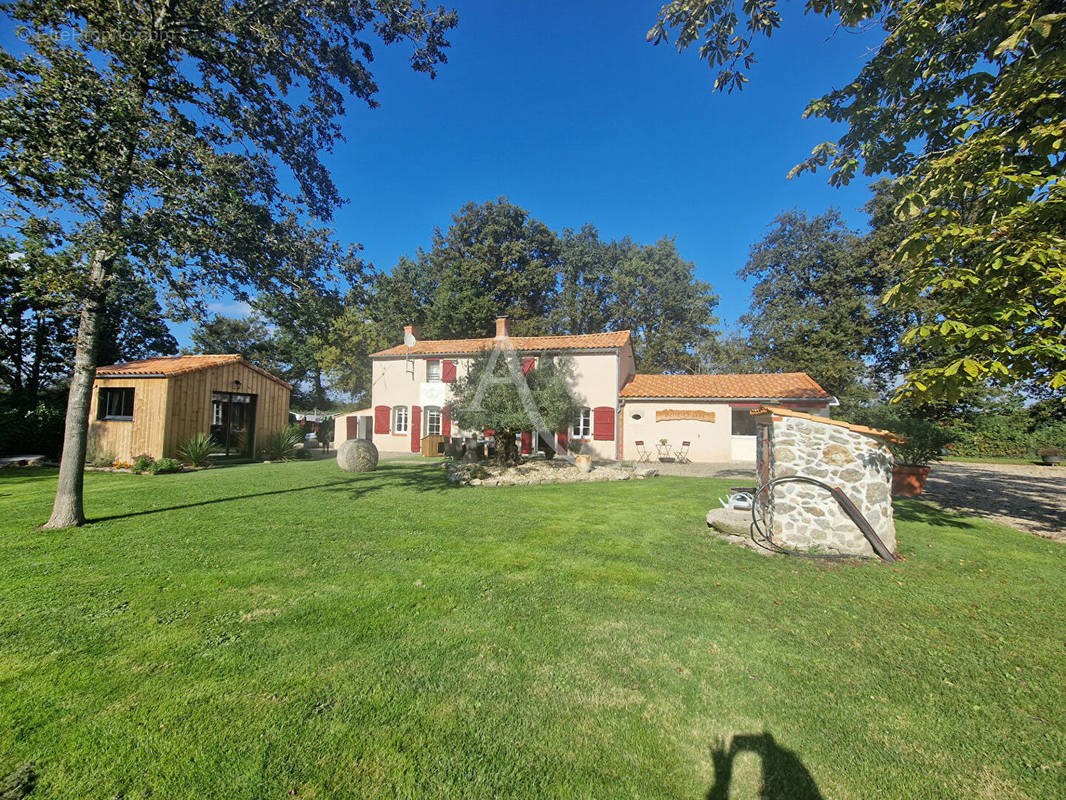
<point x="643" y="452"/>
<point x="682" y="454"/>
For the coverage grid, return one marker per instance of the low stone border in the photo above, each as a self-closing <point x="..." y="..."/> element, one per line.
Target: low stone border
<point x="536" y="472"/>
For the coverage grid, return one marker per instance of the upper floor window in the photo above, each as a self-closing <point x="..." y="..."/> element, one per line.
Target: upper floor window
<point x="433" y="371"/>
<point x="432" y="422"/>
<point x="115" y="404"/>
<point x="399" y="419"/>
<point x="582" y="428"/>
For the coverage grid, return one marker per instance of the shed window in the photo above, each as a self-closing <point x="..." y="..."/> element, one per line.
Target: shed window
<point x="115" y="404"/>
<point x="433" y="371"/>
<point x="399" y="419"/>
<point x="583" y="424"/>
<point x="743" y="422"/>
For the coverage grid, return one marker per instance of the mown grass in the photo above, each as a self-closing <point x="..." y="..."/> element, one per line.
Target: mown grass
<point x="286" y="630"/>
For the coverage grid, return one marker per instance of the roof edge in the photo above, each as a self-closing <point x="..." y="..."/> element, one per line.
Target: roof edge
<point x="778" y="411"/>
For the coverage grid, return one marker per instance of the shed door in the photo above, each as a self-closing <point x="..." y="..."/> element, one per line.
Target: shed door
<point x="352" y="427"/>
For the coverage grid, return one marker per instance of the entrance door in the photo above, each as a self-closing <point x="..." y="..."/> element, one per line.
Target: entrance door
<point x="233" y="423"/>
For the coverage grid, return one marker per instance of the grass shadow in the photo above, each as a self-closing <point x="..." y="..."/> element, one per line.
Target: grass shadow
<point x="783" y="775"/>
<point x="387" y="476"/>
<point x="916" y="511"/>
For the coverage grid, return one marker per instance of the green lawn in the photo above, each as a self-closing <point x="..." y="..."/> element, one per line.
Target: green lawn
<point x="269" y="631"/>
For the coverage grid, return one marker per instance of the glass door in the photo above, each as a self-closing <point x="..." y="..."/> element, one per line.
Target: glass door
<point x="233" y="423"/>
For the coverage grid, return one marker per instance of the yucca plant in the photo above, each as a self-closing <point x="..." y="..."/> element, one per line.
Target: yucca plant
<point x="281" y="445"/>
<point x="197" y="449"/>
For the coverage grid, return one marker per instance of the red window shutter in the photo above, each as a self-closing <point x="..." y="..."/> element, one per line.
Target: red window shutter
<point x="381" y="419"/>
<point x="528" y="364"/>
<point x="445" y="423"/>
<point x="563" y="440"/>
<point x="489" y="432"/>
<point x="447" y="372"/>
<point x="527" y="442"/>
<point x="352" y="427"/>
<point x="603" y="424"/>
<point x="416" y="428"/>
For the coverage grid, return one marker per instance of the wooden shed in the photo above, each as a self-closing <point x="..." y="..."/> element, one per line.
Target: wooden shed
<point x="153" y="406"/>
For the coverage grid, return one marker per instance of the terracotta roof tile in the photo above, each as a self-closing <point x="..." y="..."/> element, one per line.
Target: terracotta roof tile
<point x="792" y="385"/>
<point x="588" y="341"/>
<point x="788" y="412"/>
<point x="179" y="365"/>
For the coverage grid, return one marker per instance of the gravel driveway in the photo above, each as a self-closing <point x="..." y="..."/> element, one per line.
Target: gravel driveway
<point x="1024" y="496"/>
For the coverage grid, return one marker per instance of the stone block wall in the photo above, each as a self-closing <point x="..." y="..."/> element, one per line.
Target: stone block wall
<point x="807" y="517"/>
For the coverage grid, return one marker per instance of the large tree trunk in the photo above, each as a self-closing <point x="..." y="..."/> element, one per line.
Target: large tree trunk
<point x="68" y="509"/>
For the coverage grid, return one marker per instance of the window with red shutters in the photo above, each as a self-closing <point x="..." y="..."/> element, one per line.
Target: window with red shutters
<point x="527" y="442"/>
<point x="381" y="419"/>
<point x="447" y="372"/>
<point x="603" y="424"/>
<point x="528" y="364"/>
<point x="445" y="423"/>
<point x="563" y="440"/>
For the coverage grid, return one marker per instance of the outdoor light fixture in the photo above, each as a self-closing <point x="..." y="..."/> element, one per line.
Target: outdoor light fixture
<point x="237" y="384"/>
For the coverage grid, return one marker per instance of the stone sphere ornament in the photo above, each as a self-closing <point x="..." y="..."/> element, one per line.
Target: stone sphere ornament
<point x="357" y="455"/>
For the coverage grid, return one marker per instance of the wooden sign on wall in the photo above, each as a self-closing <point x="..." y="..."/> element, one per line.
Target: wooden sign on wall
<point x="668" y="414"/>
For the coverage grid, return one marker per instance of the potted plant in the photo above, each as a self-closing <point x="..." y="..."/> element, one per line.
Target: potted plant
<point x="924" y="444"/>
<point x="582" y="461"/>
<point x="1051" y="455"/>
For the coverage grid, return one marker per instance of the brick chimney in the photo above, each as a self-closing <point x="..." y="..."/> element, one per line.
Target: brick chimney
<point x="503" y="328"/>
<point x="414" y="330"/>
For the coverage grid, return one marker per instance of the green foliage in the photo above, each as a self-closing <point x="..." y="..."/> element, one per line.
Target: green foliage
<point x="496" y="260"/>
<point x="35" y="430"/>
<point x="165" y="466"/>
<point x="646" y="289"/>
<point x="142" y="463"/>
<point x="815" y="304"/>
<point x="282" y="445"/>
<point x="498" y="405"/>
<point x="197" y="449"/>
<point x="962" y="103"/>
<point x="926" y="439"/>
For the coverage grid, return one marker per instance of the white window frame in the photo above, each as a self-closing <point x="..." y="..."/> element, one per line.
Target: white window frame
<point x="582" y="427"/>
<point x="430" y="376"/>
<point x="432" y="412"/>
<point x="400" y="420"/>
<point x="216" y="412"/>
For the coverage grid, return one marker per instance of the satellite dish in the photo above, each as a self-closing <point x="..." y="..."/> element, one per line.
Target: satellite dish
<point x="409" y="339"/>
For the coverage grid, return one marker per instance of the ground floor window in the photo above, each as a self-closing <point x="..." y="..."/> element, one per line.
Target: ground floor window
<point x="743" y="422"/>
<point x="115" y="404"/>
<point x="399" y="419"/>
<point x="583" y="424"/>
<point x="432" y="422"/>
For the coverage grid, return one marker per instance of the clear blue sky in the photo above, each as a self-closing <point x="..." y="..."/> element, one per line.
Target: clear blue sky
<point x="565" y="109"/>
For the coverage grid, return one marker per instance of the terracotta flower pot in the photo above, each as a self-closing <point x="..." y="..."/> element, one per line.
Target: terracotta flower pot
<point x="908" y="480"/>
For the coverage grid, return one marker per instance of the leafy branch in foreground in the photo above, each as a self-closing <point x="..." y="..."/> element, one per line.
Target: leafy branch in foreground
<point x="962" y="102"/>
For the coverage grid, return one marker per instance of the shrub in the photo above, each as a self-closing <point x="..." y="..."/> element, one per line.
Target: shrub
<point x="926" y="439"/>
<point x="35" y="430"/>
<point x="165" y="466"/>
<point x="197" y="450"/>
<point x="478" y="472"/>
<point x="281" y="445"/>
<point x="143" y="463"/>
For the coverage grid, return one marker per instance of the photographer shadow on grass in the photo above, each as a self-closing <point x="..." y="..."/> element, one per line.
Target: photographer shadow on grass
<point x="783" y="775"/>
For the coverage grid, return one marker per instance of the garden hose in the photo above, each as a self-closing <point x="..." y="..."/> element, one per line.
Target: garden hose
<point x="761" y="536"/>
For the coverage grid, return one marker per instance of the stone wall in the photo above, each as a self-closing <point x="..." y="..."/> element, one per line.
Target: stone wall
<point x="807" y="517"/>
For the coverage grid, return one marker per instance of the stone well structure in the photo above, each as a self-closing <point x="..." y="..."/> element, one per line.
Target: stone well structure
<point x="853" y="458"/>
